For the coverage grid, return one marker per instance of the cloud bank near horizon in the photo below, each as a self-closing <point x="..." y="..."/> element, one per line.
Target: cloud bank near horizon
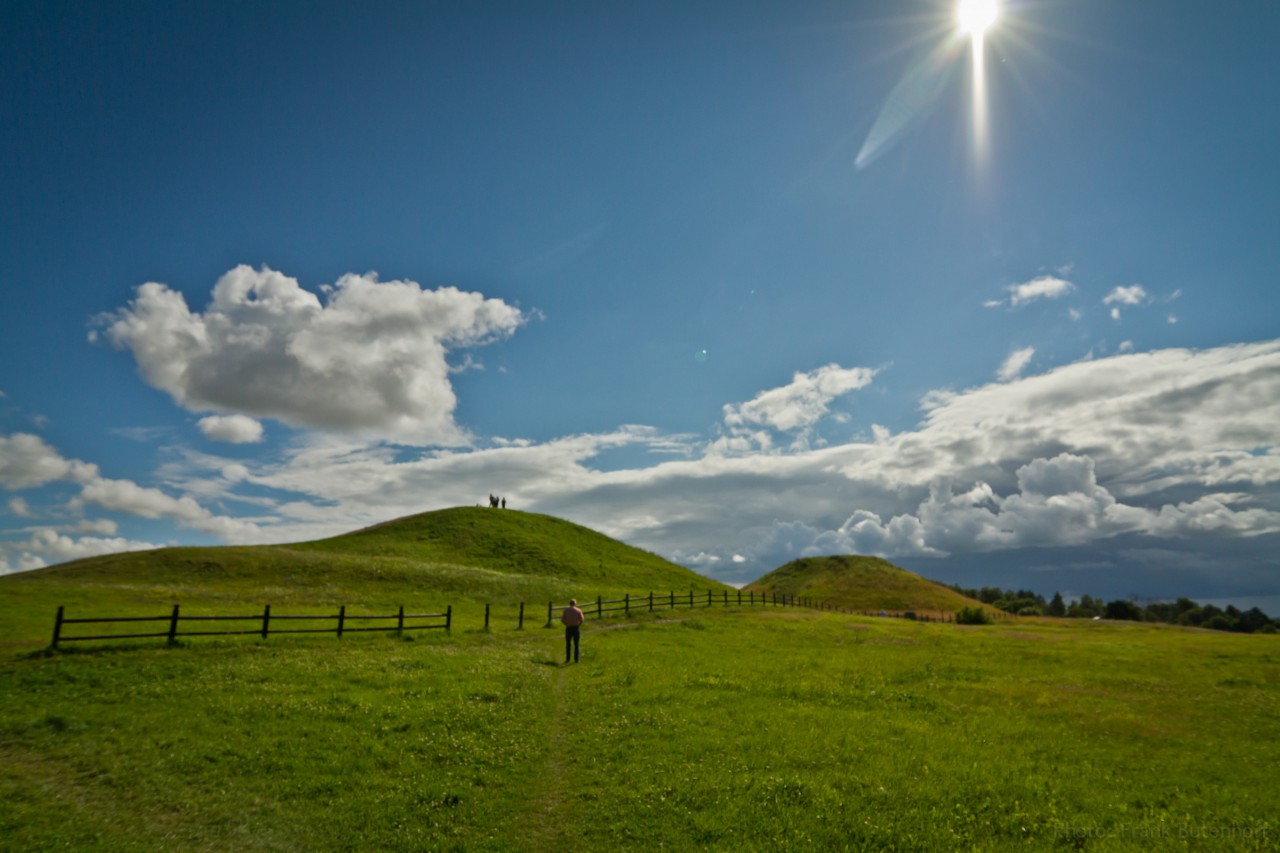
<point x="1167" y="446"/>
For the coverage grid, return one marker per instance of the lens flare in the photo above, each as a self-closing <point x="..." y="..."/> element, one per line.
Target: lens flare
<point x="921" y="88"/>
<point x="975" y="17"/>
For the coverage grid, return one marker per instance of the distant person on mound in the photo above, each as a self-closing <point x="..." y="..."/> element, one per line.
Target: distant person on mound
<point x="572" y="617"/>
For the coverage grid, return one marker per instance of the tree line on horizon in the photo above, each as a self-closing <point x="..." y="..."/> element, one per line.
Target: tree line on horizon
<point x="1182" y="611"/>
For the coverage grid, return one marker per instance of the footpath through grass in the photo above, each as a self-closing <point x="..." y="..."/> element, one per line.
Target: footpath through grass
<point x="694" y="730"/>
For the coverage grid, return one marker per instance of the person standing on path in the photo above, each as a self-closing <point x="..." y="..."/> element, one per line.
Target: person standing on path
<point x="572" y="617"/>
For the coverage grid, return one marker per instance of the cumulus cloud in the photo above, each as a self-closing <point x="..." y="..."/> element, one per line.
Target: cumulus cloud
<point x="1042" y="287"/>
<point x="371" y="359"/>
<point x="1162" y="447"/>
<point x="27" y="462"/>
<point x="795" y="407"/>
<point x="128" y="497"/>
<point x="1016" y="362"/>
<point x="1134" y="294"/>
<point x="47" y="546"/>
<point x="1165" y="445"/>
<point x="234" y="429"/>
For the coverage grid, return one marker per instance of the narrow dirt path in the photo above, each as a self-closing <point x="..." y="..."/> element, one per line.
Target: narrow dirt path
<point x="549" y="806"/>
<point x="548" y="816"/>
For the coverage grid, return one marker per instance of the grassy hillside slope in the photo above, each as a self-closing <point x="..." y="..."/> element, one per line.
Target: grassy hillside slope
<point x="454" y="557"/>
<point x="861" y="583"/>
<point x="514" y="543"/>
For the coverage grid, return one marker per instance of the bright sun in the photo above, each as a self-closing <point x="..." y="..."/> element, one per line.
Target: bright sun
<point x="975" y="17"/>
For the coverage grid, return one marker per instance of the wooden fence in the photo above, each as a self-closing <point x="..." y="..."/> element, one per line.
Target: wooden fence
<point x="648" y="603"/>
<point x="267" y="623"/>
<point x="671" y="600"/>
<point x="264" y="624"/>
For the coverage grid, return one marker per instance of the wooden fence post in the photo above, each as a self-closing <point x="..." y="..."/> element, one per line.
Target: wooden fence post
<point x="342" y="617"/>
<point x="650" y="601"/>
<point x="708" y="598"/>
<point x="486" y="616"/>
<point x="173" y="626"/>
<point x="673" y="600"/>
<point x="400" y="621"/>
<point x="448" y="619"/>
<point x="57" y="627"/>
<point x="626" y="603"/>
<point x="548" y="614"/>
<point x="520" y="625"/>
<point x="266" y="620"/>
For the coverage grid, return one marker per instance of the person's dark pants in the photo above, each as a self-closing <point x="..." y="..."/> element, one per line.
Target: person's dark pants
<point x="572" y="637"/>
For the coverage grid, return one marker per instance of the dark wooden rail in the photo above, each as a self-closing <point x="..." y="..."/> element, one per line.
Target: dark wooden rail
<point x="175" y="624"/>
<point x="264" y="624"/>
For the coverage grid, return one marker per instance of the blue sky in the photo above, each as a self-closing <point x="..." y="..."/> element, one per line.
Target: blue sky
<point x="279" y="271"/>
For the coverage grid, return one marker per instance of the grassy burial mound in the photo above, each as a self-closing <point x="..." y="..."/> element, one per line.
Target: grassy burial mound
<point x="457" y="556"/>
<point x="862" y="583"/>
<point x="518" y="543"/>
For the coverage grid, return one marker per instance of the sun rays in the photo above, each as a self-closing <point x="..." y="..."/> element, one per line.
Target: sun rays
<point x="975" y="18"/>
<point x="920" y="88"/>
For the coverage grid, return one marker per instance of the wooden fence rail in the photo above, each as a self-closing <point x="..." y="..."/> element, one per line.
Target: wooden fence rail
<point x="649" y="602"/>
<point x="265" y="623"/>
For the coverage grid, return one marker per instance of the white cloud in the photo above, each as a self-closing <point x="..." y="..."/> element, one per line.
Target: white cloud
<point x="235" y="429"/>
<point x="47" y="546"/>
<point x="795" y="407"/>
<point x="19" y="507"/>
<point x="801" y="403"/>
<point x="98" y="526"/>
<point x="27" y="462"/>
<point x="130" y="498"/>
<point x="1041" y="287"/>
<point x="371" y="360"/>
<point x="1132" y="444"/>
<point x="1132" y="295"/>
<point x="1015" y="363"/>
<point x="1163" y="445"/>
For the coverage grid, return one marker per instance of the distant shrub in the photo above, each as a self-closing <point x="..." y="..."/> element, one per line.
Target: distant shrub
<point x="972" y="616"/>
<point x="1121" y="609"/>
<point x="909" y="615"/>
<point x="1219" y="622"/>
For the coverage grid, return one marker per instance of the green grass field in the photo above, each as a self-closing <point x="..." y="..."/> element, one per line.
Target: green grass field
<point x="705" y="729"/>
